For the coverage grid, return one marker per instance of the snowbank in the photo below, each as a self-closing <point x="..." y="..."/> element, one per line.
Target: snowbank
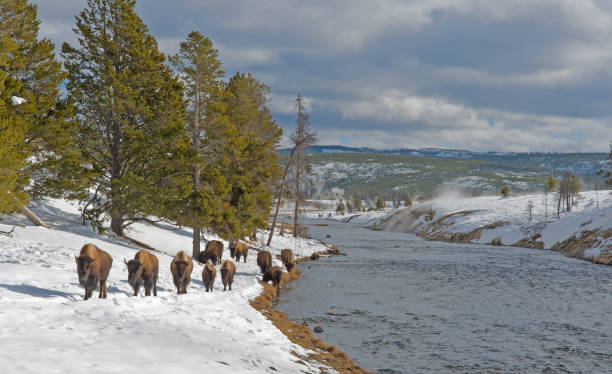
<point x="45" y="326"/>
<point x="584" y="232"/>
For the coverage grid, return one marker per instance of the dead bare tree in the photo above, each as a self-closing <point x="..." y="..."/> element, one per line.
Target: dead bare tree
<point x="298" y="162"/>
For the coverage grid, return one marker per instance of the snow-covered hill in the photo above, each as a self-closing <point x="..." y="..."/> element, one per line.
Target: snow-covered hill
<point x="584" y="232"/>
<point x="46" y="327"/>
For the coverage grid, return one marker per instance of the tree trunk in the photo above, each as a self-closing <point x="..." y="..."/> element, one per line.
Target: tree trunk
<point x="117" y="224"/>
<point x="254" y="235"/>
<point x="32" y="217"/>
<point x="559" y="205"/>
<point x="297" y="196"/>
<point x="196" y="173"/>
<point x="280" y="196"/>
<point x="196" y="229"/>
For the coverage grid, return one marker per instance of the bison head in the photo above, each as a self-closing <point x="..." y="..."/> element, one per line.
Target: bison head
<point x="83" y="267"/>
<point x="181" y="269"/>
<point x="135" y="270"/>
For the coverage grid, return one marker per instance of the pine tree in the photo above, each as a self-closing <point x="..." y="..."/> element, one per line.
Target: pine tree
<point x="131" y="111"/>
<point x="407" y="201"/>
<point x="505" y="191"/>
<point x="45" y="119"/>
<point x="380" y="204"/>
<point x="250" y="167"/>
<point x="200" y="70"/>
<point x="607" y="173"/>
<point x="12" y="150"/>
<point x="357" y="205"/>
<point x="340" y="207"/>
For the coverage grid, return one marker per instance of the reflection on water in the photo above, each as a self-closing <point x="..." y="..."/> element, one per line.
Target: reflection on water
<point x="399" y="304"/>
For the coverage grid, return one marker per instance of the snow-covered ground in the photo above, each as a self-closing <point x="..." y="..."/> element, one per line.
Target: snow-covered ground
<point x="46" y="327"/>
<point x="593" y="212"/>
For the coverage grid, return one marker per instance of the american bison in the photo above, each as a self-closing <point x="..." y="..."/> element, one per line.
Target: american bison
<point x="237" y="249"/>
<point x="143" y="269"/>
<point x="287" y="259"/>
<point x="208" y="276"/>
<point x="274" y="274"/>
<point x="181" y="267"/>
<point x="264" y="260"/>
<point x="93" y="266"/>
<point x="213" y="252"/>
<point x="227" y="274"/>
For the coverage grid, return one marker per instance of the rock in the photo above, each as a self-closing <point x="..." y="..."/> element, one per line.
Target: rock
<point x="314" y="256"/>
<point x="496" y="241"/>
<point x="318" y="329"/>
<point x="328" y="236"/>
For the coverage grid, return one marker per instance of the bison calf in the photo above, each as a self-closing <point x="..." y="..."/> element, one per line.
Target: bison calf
<point x="237" y="249"/>
<point x="275" y="274"/>
<point x="264" y="260"/>
<point x="93" y="266"/>
<point x="181" y="267"/>
<point x="227" y="274"/>
<point x="287" y="259"/>
<point x="213" y="252"/>
<point x="143" y="269"/>
<point x="208" y="276"/>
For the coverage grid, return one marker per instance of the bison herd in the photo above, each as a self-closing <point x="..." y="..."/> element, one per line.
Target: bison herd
<point x="93" y="267"/>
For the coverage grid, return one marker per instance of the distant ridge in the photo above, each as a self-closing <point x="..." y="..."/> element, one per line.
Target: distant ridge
<point x="423" y="152"/>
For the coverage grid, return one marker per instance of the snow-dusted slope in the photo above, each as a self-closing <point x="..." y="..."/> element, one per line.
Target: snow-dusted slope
<point x="46" y="327"/>
<point x="505" y="221"/>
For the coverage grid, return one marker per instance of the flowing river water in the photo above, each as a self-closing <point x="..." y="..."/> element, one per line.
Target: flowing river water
<point x="399" y="304"/>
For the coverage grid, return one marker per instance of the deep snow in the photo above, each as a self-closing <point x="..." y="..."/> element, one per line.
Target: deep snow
<point x="46" y="327"/>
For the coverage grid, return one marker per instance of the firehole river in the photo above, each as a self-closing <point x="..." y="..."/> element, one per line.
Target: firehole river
<point x="399" y="304"/>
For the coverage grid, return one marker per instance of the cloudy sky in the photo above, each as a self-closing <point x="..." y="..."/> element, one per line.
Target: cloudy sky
<point x="520" y="75"/>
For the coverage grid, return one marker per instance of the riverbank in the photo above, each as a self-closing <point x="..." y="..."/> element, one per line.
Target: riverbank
<point x="585" y="232"/>
<point x="401" y="304"/>
<point x="46" y="326"/>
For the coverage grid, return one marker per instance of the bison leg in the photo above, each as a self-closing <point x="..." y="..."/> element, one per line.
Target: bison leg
<point x="102" y="294"/>
<point x="148" y="284"/>
<point x="155" y="286"/>
<point x="136" y="289"/>
<point x="245" y="258"/>
<point x="230" y="285"/>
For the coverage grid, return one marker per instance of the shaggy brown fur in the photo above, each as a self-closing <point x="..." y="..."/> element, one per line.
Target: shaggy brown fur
<point x="213" y="252"/>
<point x="287" y="259"/>
<point x="208" y="276"/>
<point x="227" y="274"/>
<point x="143" y="269"/>
<point x="93" y="266"/>
<point x="181" y="267"/>
<point x="264" y="260"/>
<point x="237" y="249"/>
<point x="275" y="274"/>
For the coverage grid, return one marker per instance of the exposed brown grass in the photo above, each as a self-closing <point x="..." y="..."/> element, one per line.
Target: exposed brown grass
<point x="300" y="334"/>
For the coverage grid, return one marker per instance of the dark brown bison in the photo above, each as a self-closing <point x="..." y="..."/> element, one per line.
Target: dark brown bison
<point x="264" y="260"/>
<point x="181" y="267"/>
<point x="287" y="259"/>
<point x="143" y="269"/>
<point x="93" y="266"/>
<point x="274" y="274"/>
<point x="208" y="276"/>
<point x="227" y="274"/>
<point x="213" y="252"/>
<point x="237" y="249"/>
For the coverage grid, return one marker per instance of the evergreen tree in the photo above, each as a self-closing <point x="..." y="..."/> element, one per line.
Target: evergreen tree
<point x="250" y="165"/>
<point x="407" y="201"/>
<point x="380" y="204"/>
<point x="505" y="191"/>
<point x="12" y="150"/>
<point x="131" y="111"/>
<point x="45" y="119"/>
<point x="357" y="205"/>
<point x="200" y="70"/>
<point x="340" y="207"/>
<point x="607" y="173"/>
